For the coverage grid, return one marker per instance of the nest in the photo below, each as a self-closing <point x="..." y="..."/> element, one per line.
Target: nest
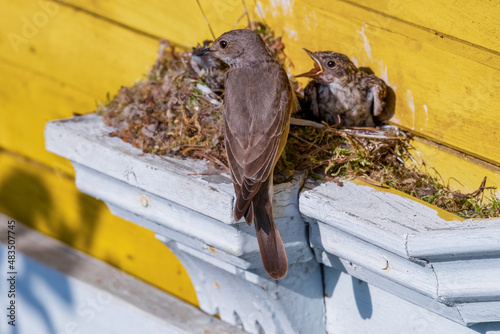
<point x="177" y="110"/>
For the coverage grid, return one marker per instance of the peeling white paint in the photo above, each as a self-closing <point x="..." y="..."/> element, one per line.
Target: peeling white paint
<point x="310" y="21"/>
<point x="383" y="69"/>
<point x="385" y="76"/>
<point x="409" y="99"/>
<point x="396" y="120"/>
<point x="281" y="7"/>
<point x="258" y="10"/>
<point x="368" y="48"/>
<point x="426" y="115"/>
<point x="292" y="34"/>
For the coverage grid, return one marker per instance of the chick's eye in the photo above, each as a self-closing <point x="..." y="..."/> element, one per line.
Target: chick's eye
<point x="331" y="64"/>
<point x="223" y="44"/>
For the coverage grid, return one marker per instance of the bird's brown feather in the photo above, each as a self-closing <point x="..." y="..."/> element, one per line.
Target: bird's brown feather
<point x="257" y="106"/>
<point x="253" y="141"/>
<point x="271" y="246"/>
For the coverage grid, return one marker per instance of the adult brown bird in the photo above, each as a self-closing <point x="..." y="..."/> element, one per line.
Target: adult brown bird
<point x="343" y="95"/>
<point x="257" y="106"/>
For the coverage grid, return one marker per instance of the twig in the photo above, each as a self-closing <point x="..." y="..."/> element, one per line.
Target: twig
<point x="307" y="142"/>
<point x="479" y="191"/>
<point x="206" y="19"/>
<point x="305" y="122"/>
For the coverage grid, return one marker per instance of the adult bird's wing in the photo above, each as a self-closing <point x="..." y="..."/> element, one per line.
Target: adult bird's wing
<point x="257" y="108"/>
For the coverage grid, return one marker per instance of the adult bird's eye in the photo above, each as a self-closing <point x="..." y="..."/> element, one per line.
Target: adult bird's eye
<point x="331" y="64"/>
<point x="223" y="44"/>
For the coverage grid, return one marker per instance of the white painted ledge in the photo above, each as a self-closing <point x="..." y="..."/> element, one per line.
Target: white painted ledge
<point x="192" y="214"/>
<point x="446" y="271"/>
<point x="404" y="247"/>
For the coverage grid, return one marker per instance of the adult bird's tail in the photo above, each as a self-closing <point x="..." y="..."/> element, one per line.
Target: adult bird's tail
<point x="271" y="246"/>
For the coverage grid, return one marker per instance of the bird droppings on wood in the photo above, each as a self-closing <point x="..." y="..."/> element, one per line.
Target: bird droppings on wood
<point x="177" y="110"/>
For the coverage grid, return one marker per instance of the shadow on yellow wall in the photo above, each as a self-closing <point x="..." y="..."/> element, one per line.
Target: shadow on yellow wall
<point x="51" y="204"/>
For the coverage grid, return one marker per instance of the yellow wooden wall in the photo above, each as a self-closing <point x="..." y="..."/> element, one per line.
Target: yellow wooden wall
<point x="60" y="57"/>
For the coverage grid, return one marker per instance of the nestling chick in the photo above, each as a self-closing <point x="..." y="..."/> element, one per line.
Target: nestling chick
<point x="343" y="95"/>
<point x="212" y="69"/>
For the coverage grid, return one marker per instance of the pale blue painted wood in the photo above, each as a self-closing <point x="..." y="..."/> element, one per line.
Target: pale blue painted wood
<point x="49" y="302"/>
<point x="355" y="306"/>
<point x="483" y="239"/>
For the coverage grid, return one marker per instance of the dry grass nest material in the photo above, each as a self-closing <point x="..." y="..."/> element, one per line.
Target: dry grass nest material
<point x="177" y="110"/>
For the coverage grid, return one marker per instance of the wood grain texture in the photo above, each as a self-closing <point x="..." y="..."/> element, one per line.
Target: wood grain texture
<point x="377" y="216"/>
<point x="50" y="203"/>
<point x="393" y="289"/>
<point x="225" y="15"/>
<point x="125" y="29"/>
<point x="85" y="140"/>
<point x="235" y="244"/>
<point x="90" y="54"/>
<point x="28" y="102"/>
<point x="188" y="211"/>
<point x="473" y="22"/>
<point x="181" y="22"/>
<point x="465" y="281"/>
<point x="483" y="239"/>
<point x="388" y="269"/>
<point x="69" y="64"/>
<point x="378" y="235"/>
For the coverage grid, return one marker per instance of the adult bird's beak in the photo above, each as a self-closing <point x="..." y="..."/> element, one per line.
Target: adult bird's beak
<point x="317" y="70"/>
<point x="203" y="52"/>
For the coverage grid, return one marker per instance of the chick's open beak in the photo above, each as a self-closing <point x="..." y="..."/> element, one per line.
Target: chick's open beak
<point x="317" y="70"/>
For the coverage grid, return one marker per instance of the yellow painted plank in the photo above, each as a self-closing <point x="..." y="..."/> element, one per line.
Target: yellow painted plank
<point x="67" y="65"/>
<point x="472" y="21"/>
<point x="459" y="170"/>
<point x="180" y="21"/>
<point x="225" y="15"/>
<point x="53" y="205"/>
<point x="445" y="89"/>
<point x="90" y="54"/>
<point x="27" y="103"/>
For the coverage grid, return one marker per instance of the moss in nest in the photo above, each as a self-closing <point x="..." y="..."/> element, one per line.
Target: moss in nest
<point x="383" y="159"/>
<point x="177" y="110"/>
<point x="173" y="111"/>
